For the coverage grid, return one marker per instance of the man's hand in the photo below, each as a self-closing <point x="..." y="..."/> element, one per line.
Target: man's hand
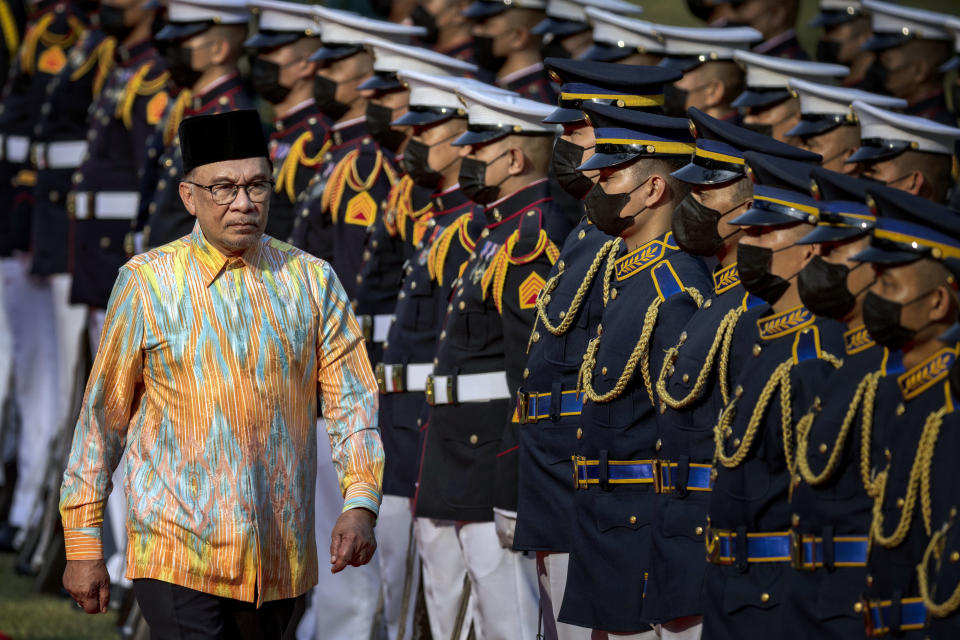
<point x="352" y="541"/>
<point x="88" y="583"/>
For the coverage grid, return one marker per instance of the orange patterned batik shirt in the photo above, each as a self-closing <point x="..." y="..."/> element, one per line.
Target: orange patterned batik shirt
<point x="205" y="388"/>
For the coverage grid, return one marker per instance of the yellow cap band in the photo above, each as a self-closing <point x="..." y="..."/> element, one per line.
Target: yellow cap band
<point x="659" y="146"/>
<point x="722" y="157"/>
<point x="622" y="100"/>
<point x="946" y="251"/>
<point x="787" y="203"/>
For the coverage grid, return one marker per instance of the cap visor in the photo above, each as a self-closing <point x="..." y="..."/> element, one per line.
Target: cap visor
<point x="605" y="160"/>
<point x="762" y="218"/>
<point x="335" y="52"/>
<point x="477" y="137"/>
<point x="181" y="30"/>
<point x="378" y="82"/>
<point x="562" y="115"/>
<point x="558" y="27"/>
<point x="693" y="173"/>
<point x="831" y="234"/>
<point x="683" y="64"/>
<point x="808" y="128"/>
<point x="884" y="256"/>
<point x="483" y="10"/>
<point x="599" y="52"/>
<point x="882" y="41"/>
<point x="873" y="154"/>
<point x="827" y="19"/>
<point x="419" y="118"/>
<point x="270" y="40"/>
<point x="760" y="98"/>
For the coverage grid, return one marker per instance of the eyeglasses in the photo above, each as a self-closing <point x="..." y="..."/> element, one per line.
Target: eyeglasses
<point x="226" y="192"/>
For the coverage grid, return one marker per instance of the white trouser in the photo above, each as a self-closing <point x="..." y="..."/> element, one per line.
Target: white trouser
<point x="71" y="320"/>
<point x="399" y="566"/>
<point x="505" y="583"/>
<point x="552" y="574"/>
<point x="688" y="628"/>
<point x="604" y="635"/>
<point x="444" y="573"/>
<point x="6" y="369"/>
<point x="344" y="604"/>
<point x="29" y="307"/>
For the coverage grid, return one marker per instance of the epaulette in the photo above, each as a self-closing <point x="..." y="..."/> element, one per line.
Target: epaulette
<point x="8" y="26"/>
<point x="141" y="85"/>
<point x="523" y="246"/>
<point x="54" y="57"/>
<point x="287" y="174"/>
<point x="806" y="345"/>
<point x="666" y="280"/>
<point x="100" y="57"/>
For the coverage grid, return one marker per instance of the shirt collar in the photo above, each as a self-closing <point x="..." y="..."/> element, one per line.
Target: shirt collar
<point x="212" y="263"/>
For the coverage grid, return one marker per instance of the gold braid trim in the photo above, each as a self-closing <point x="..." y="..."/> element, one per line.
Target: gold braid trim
<point x="358" y="184"/>
<point x="936" y="547"/>
<point x="28" y="53"/>
<point x="287" y="175"/>
<point x="65" y="41"/>
<point x="863" y="397"/>
<point x="918" y="482"/>
<point x="102" y="57"/>
<point x="723" y="340"/>
<point x="8" y="26"/>
<point x="570" y="314"/>
<point x="176" y="115"/>
<point x="398" y="201"/>
<point x="333" y="192"/>
<point x="437" y="256"/>
<point x="496" y="271"/>
<point x="137" y="86"/>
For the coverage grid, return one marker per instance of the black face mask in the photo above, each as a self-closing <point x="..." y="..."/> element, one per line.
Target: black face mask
<point x="379" y="118"/>
<point x="603" y="210"/>
<point x="829" y="51"/>
<point x="753" y="264"/>
<point x="325" y="96"/>
<point x="473" y="180"/>
<point x="882" y="320"/>
<point x="423" y="18"/>
<point x="823" y="288"/>
<point x="567" y="156"/>
<point x="875" y="79"/>
<point x="112" y="21"/>
<point x="265" y="78"/>
<point x="675" y="101"/>
<point x="756" y="127"/>
<point x="695" y="227"/>
<point x="179" y="60"/>
<point x="554" y="49"/>
<point x="483" y="54"/>
<point x="416" y="162"/>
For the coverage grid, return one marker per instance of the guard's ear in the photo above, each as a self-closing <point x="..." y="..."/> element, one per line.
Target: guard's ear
<point x="714" y="93"/>
<point x="942" y="303"/>
<point x="186" y="195"/>
<point x="518" y="161"/>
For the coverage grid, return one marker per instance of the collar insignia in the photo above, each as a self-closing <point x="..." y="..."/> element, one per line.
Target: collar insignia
<point x="784" y="323"/>
<point x="927" y="373"/>
<point x="857" y="340"/>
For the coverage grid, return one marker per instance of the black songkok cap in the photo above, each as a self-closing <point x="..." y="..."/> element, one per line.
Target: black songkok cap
<point x="232" y="135"/>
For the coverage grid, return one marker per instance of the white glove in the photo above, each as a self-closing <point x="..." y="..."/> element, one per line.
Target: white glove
<point x="505" y="523"/>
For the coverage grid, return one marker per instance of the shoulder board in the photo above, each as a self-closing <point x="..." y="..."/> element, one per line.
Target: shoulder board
<point x="666" y="280"/>
<point x="641" y="258"/>
<point x="750" y="301"/>
<point x="806" y="345"/>
<point x="892" y="362"/>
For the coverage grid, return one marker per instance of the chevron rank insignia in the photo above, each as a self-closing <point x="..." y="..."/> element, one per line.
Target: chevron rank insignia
<point x="361" y="210"/>
<point x="529" y="290"/>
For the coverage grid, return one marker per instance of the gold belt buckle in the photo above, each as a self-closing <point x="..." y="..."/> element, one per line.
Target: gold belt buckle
<point x="398" y="378"/>
<point x="381" y="377"/>
<point x="657" y="480"/>
<point x="523" y="407"/>
<point x="578" y="461"/>
<point x="797" y="541"/>
<point x="452" y="389"/>
<point x="711" y="541"/>
<point x="428" y="391"/>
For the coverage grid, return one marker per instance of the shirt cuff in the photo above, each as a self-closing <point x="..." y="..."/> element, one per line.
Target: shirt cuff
<point x="363" y="495"/>
<point x="83" y="544"/>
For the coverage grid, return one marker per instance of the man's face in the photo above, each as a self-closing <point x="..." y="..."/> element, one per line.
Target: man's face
<point x="442" y="157"/>
<point x="348" y="73"/>
<point x="286" y="58"/>
<point x="499" y="29"/>
<point x="583" y="135"/>
<point x="727" y="199"/>
<point x="835" y="146"/>
<point x="781" y="116"/>
<point x="396" y="101"/>
<point x="495" y="156"/>
<point x="848" y="34"/>
<point x="625" y="179"/>
<point x="901" y="77"/>
<point x="235" y="226"/>
<point x="906" y="284"/>
<point x="788" y="257"/>
<point x="860" y="276"/>
<point x="696" y="82"/>
<point x="894" y="172"/>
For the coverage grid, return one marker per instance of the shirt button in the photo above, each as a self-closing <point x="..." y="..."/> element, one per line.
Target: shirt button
<point x="900" y="503"/>
<point x="858" y="607"/>
<point x="462" y="305"/>
<point x="613" y="294"/>
<point x="536" y="336"/>
<point x="581" y="235"/>
<point x="738" y="391"/>
<point x="698" y="531"/>
<point x="686" y="377"/>
<point x="579" y="433"/>
<point x="526" y="373"/>
<point x="708" y="303"/>
<point x="474" y="439"/>
<point x="756" y="350"/>
<point x="104" y="242"/>
<point x="659" y="444"/>
<point x="954" y="556"/>
<point x="900" y="409"/>
<point x="822" y="448"/>
<point x="413" y="285"/>
<point x="560" y="266"/>
<point x="603" y="371"/>
<point x="633" y="519"/>
<point x="443" y="335"/>
<point x="485" y="233"/>
<point x="764" y="597"/>
<point x="563" y="314"/>
<point x="795" y="520"/>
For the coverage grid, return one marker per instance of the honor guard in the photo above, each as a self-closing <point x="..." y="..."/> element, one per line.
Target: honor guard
<point x="831" y="503"/>
<point x="441" y="235"/>
<point x="649" y="289"/>
<point x="711" y="79"/>
<point x="617" y="38"/>
<point x="776" y="20"/>
<point x="695" y="380"/>
<point x="468" y="467"/>
<point x="283" y="75"/>
<point x="203" y="44"/>
<point x="566" y="30"/>
<point x="914" y="249"/>
<point x="447" y="30"/>
<point x="344" y="198"/>
<point x="768" y="105"/>
<point x="505" y="44"/>
<point x="907" y="152"/>
<point x="910" y="46"/>
<point x="828" y="125"/>
<point x="385" y="251"/>
<point x="846" y="28"/>
<point x="790" y="355"/>
<point x="548" y="403"/>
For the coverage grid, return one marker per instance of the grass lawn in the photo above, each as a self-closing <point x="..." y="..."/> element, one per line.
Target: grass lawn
<point x="25" y="615"/>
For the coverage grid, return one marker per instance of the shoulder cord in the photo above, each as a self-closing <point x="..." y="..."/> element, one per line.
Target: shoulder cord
<point x="919" y="480"/>
<point x="568" y="316"/>
<point x="936" y="547"/>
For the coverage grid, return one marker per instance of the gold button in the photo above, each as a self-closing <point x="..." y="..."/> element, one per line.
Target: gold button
<point x="443" y="335"/>
<point x="822" y="448"/>
<point x="708" y="303"/>
<point x="599" y="329"/>
<point x="670" y="371"/>
<point x="563" y="314"/>
<point x="858" y="607"/>
<point x="374" y="243"/>
<point x="633" y="519"/>
<point x="104" y="242"/>
<point x="485" y="233"/>
<point x="756" y="350"/>
<point x="579" y="433"/>
<point x="54" y="196"/>
<point x="900" y="409"/>
<point x="736" y="442"/>
<point x="869" y="580"/>
<point x="474" y="439"/>
<point x="462" y="305"/>
<point x="162" y="184"/>
<point x="954" y="556"/>
<point x="603" y="371"/>
<point x="536" y="336"/>
<point x="795" y="520"/>
<point x="413" y="285"/>
<point x="168" y="163"/>
<point x="683" y="337"/>
<point x="698" y="531"/>
<point x="526" y="373"/>
<point x="900" y="503"/>
<point x="560" y="266"/>
<point x="686" y="377"/>
<point x="764" y="597"/>
<point x="581" y="235"/>
<point x="496" y="214"/>
<point x="738" y="391"/>
<point x="359" y="278"/>
<point x="613" y="294"/>
<point x="659" y="444"/>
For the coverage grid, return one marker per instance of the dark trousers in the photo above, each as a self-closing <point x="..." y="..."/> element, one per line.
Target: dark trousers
<point x="176" y="613"/>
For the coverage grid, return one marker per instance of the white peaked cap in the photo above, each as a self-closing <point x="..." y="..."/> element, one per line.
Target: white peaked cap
<point x="768" y="72"/>
<point x="923" y="134"/>
<point x="624" y="32"/>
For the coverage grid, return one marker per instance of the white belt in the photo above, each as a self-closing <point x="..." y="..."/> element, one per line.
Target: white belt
<point x="105" y="205"/>
<point x="398" y="378"/>
<point x="14" y="148"/>
<point x="59" y="155"/>
<point x="467" y="387"/>
<point x="375" y="328"/>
